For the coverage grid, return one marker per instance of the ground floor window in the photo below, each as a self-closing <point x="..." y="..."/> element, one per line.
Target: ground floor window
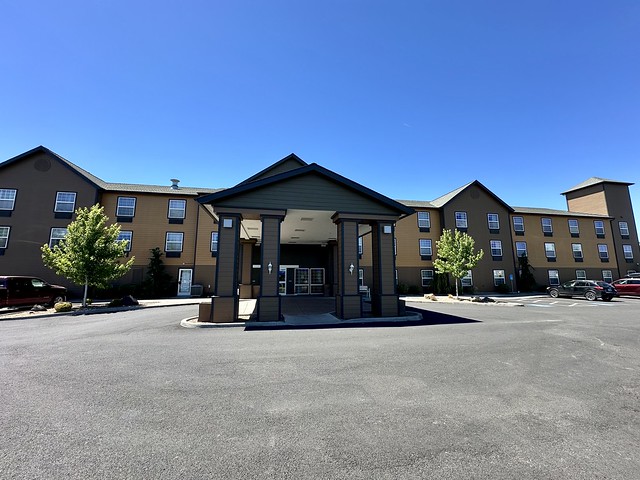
<point x="629" y="272"/>
<point x="554" y="277"/>
<point x="467" y="280"/>
<point x="4" y="236"/>
<point x="427" y="277"/>
<point x="361" y="277"/>
<point x="498" y="277"/>
<point x="607" y="276"/>
<point x="581" y="274"/>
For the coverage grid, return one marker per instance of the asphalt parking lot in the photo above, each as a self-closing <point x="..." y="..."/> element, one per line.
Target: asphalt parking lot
<point x="478" y="391"/>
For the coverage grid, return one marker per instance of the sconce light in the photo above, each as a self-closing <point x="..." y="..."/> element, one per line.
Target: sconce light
<point x="269" y="268"/>
<point x="351" y="267"/>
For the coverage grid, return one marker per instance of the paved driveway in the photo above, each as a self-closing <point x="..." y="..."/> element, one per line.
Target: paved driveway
<point x="487" y="391"/>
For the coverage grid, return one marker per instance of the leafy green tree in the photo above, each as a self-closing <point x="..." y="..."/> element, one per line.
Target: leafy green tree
<point x="456" y="254"/>
<point x="90" y="252"/>
<point x="526" y="280"/>
<point x="158" y="281"/>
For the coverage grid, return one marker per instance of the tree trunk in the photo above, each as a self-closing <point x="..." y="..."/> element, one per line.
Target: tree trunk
<point x="455" y="279"/>
<point x="86" y="288"/>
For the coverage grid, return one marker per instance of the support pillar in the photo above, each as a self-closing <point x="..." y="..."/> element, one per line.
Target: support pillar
<point x="269" y="299"/>
<point x="348" y="299"/>
<point x="384" y="296"/>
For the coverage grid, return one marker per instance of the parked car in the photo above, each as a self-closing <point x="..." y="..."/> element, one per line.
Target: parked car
<point x="589" y="289"/>
<point x="627" y="286"/>
<point x="18" y="291"/>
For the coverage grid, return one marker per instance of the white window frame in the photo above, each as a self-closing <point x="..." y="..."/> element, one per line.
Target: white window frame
<point x="59" y="235"/>
<point x="361" y="277"/>
<point x="624" y="228"/>
<point x="574" y="226"/>
<point x="177" y="212"/>
<point x="519" y="223"/>
<point x="461" y="220"/>
<point x="426" y="276"/>
<point x="425" y="247"/>
<point x="120" y="207"/>
<point x="547" y="225"/>
<point x="493" y="221"/>
<point x="424" y="220"/>
<point x="467" y="280"/>
<point x="581" y="274"/>
<point x="499" y="278"/>
<point x="60" y="202"/>
<point x="598" y="225"/>
<point x="627" y="251"/>
<point x="518" y="255"/>
<point x="496" y="248"/>
<point x="8" y="195"/>
<point x="126" y="235"/>
<point x="215" y="238"/>
<point x="554" y="277"/>
<point x="360" y="246"/>
<point x="168" y="241"/>
<point x="576" y="249"/>
<point x="4" y="236"/>
<point x="603" y="248"/>
<point x="552" y="249"/>
<point x="607" y="276"/>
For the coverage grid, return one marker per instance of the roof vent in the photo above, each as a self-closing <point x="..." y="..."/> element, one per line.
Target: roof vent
<point x="174" y="183"/>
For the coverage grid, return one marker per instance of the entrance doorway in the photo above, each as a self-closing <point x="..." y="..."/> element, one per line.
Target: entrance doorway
<point x="185" y="277"/>
<point x="293" y="280"/>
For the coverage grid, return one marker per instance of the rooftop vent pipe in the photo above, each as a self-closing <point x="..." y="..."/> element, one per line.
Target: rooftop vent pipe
<point x="174" y="183"/>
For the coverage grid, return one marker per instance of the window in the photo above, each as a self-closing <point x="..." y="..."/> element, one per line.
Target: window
<point x="521" y="249"/>
<point x="547" y="226"/>
<point x="126" y="207"/>
<point x="496" y="248"/>
<point x="214" y="242"/>
<point x="65" y="202"/>
<point x="603" y="252"/>
<point x="574" y="229"/>
<point x="7" y="198"/>
<point x="360" y="246"/>
<point x="550" y="250"/>
<point x="493" y="221"/>
<point x="4" y="236"/>
<point x="427" y="277"/>
<point x="518" y="224"/>
<point x="554" y="277"/>
<point x="177" y="209"/>
<point x="173" y="242"/>
<point x="599" y="226"/>
<point x="467" y="280"/>
<point x="128" y="236"/>
<point x="57" y="234"/>
<point x="581" y="274"/>
<point x="461" y="219"/>
<point x="361" y="277"/>
<point x="576" y="248"/>
<point x="498" y="277"/>
<point x="628" y="252"/>
<point x="624" y="229"/>
<point x="424" y="220"/>
<point x="395" y="246"/>
<point x="629" y="272"/>
<point x="425" y="247"/>
<point x="607" y="276"/>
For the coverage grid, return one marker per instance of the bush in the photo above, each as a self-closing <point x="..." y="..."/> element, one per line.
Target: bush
<point x="502" y="288"/>
<point x="413" y="290"/>
<point x="403" y="289"/>
<point x="63" y="307"/>
<point x="116" y="302"/>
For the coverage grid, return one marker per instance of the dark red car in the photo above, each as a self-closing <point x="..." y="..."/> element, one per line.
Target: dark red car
<point x="627" y="286"/>
<point x="20" y="291"/>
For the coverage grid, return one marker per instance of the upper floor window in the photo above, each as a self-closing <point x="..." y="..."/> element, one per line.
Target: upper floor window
<point x="599" y="226"/>
<point x="173" y="242"/>
<point x="426" y="277"/>
<point x="177" y="209"/>
<point x="574" y="229"/>
<point x="521" y="249"/>
<point x="624" y="229"/>
<point x="603" y="252"/>
<point x="547" y="226"/>
<point x="607" y="276"/>
<point x="395" y="246"/>
<point x="7" y="198"/>
<point x="126" y="207"/>
<point x="498" y="277"/>
<point x="425" y="247"/>
<point x="214" y="242"/>
<point x="518" y="224"/>
<point x="57" y="234"/>
<point x="576" y="248"/>
<point x="126" y="235"/>
<point x="65" y="202"/>
<point x="4" y="236"/>
<point x="494" y="221"/>
<point x="628" y="252"/>
<point x="461" y="219"/>
<point x="496" y="248"/>
<point x="424" y="220"/>
<point x="554" y="277"/>
<point x="581" y="274"/>
<point x="550" y="250"/>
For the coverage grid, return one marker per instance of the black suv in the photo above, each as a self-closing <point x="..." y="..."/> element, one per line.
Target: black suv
<point x="589" y="289"/>
<point x="19" y="291"/>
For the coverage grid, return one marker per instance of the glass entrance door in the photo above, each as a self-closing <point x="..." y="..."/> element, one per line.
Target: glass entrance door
<point x="184" y="282"/>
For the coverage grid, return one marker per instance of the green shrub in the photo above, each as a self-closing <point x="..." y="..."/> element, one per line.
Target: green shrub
<point x="63" y="307"/>
<point x="413" y="290"/>
<point x="116" y="302"/>
<point x="403" y="289"/>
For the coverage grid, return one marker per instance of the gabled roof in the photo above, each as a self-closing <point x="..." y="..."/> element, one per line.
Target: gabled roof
<point x="279" y="167"/>
<point x="446" y="198"/>
<point x="551" y="211"/>
<point x="417" y="203"/>
<point x="594" y="181"/>
<point x="307" y="169"/>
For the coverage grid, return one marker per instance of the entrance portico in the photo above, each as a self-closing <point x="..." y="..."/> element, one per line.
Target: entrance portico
<point x="299" y="214"/>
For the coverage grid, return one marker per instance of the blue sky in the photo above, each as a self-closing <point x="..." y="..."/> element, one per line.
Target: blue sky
<point x="410" y="98"/>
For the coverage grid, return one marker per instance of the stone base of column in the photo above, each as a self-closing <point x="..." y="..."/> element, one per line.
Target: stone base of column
<point x="385" y="305"/>
<point x="269" y="309"/>
<point x="220" y="310"/>
<point x="348" y="306"/>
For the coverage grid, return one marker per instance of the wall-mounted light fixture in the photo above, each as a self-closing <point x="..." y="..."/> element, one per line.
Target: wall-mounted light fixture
<point x="269" y="268"/>
<point x="351" y="267"/>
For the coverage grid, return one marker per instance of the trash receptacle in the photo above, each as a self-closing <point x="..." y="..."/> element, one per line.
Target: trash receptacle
<point x="196" y="290"/>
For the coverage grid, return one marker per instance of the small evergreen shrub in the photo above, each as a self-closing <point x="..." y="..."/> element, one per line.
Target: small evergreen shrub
<point x="63" y="307"/>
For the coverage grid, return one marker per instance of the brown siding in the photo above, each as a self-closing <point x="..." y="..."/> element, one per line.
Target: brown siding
<point x="588" y="200"/>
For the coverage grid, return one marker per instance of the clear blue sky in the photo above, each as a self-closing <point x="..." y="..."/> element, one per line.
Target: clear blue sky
<point x="410" y="98"/>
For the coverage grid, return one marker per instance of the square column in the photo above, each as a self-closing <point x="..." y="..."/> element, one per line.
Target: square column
<point x="246" y="289"/>
<point x="384" y="297"/>
<point x="269" y="299"/>
<point x="348" y="299"/>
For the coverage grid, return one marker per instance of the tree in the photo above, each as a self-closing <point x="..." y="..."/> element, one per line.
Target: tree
<point x="158" y="281"/>
<point x="456" y="255"/>
<point x="90" y="252"/>
<point x="526" y="280"/>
